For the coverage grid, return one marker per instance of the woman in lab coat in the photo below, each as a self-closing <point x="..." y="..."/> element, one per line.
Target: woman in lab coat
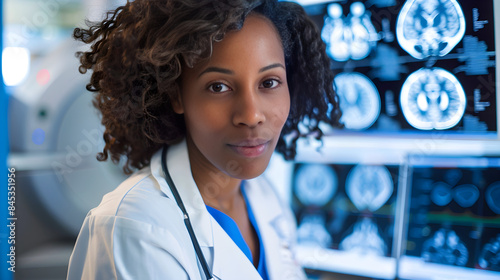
<point x="197" y="95"/>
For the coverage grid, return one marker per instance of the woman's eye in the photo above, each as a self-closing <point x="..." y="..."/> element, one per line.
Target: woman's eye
<point x="270" y="83"/>
<point x="218" y="87"/>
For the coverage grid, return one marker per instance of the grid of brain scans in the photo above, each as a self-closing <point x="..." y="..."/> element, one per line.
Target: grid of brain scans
<point x="422" y="74"/>
<point x="454" y="219"/>
<point x="414" y="66"/>
<point x="346" y="211"/>
<point x="433" y="217"/>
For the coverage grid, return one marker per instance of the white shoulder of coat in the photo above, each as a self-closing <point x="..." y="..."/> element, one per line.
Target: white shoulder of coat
<point x="139" y="198"/>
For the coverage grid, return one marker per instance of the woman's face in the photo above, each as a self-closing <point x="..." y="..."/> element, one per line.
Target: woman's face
<point x="236" y="103"/>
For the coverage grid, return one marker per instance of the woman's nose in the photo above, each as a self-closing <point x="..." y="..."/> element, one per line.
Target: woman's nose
<point x="249" y="109"/>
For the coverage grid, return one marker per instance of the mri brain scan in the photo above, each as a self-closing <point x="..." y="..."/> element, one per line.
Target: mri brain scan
<point x="466" y="195"/>
<point x="364" y="239"/>
<point x="445" y="247"/>
<point x="351" y="37"/>
<point x="432" y="98"/>
<point x="369" y="187"/>
<point x="430" y="27"/>
<point x="335" y="33"/>
<point x="490" y="255"/>
<point x="312" y="232"/>
<point x="359" y="100"/>
<point x="315" y="184"/>
<point x="493" y="197"/>
<point x="441" y="194"/>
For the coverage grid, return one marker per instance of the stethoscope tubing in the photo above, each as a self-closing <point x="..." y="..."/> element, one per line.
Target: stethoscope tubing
<point x="187" y="222"/>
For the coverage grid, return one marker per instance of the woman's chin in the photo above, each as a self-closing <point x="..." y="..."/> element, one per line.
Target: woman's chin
<point x="247" y="169"/>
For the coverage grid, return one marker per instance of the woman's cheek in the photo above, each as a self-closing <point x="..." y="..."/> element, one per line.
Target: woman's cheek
<point x="284" y="110"/>
<point x="280" y="114"/>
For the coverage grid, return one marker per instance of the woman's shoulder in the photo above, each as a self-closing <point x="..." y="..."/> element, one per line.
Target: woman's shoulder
<point x="138" y="198"/>
<point x="135" y="223"/>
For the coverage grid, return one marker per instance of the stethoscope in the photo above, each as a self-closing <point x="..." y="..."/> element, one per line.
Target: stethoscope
<point x="177" y="197"/>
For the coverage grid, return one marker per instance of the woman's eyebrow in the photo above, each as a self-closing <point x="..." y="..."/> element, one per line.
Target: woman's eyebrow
<point x="217" y="69"/>
<point x="230" y="72"/>
<point x="271" y="66"/>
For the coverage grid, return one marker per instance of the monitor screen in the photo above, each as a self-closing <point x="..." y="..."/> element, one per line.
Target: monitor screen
<point x="452" y="227"/>
<point x="412" y="67"/>
<point x="346" y="215"/>
<point x="414" y="77"/>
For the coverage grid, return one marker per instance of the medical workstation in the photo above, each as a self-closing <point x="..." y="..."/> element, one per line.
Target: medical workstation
<point x="410" y="189"/>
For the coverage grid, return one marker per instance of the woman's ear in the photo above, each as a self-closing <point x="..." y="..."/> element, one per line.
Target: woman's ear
<point x="176" y="101"/>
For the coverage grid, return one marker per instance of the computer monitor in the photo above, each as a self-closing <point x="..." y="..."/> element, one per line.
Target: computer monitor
<point x="452" y="223"/>
<point x="347" y="215"/>
<point x="414" y="77"/>
<point x="410" y="68"/>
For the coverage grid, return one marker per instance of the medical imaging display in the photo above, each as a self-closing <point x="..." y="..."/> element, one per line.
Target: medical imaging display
<point x="454" y="217"/>
<point x="432" y="99"/>
<point x="414" y="66"/>
<point x="430" y="28"/>
<point x="359" y="99"/>
<point x="489" y="257"/>
<point x="350" y="37"/>
<point x="346" y="207"/>
<point x="316" y="184"/>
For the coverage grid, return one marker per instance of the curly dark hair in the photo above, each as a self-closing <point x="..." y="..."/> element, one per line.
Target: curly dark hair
<point x="138" y="51"/>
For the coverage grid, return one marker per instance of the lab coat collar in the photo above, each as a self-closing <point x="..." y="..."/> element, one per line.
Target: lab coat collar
<point x="180" y="171"/>
<point x="229" y="260"/>
<point x="276" y="231"/>
<point x="263" y="200"/>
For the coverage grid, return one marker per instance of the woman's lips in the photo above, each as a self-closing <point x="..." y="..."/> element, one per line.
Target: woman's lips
<point x="250" y="148"/>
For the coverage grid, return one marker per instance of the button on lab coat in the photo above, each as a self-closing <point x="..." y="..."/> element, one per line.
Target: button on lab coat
<point x="138" y="232"/>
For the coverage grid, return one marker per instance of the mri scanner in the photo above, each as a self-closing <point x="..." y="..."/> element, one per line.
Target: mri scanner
<point x="55" y="133"/>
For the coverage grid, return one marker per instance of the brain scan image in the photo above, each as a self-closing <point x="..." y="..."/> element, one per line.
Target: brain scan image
<point x="432" y="98"/>
<point x="445" y="247"/>
<point x="315" y="184"/>
<point x="369" y="187"/>
<point x="490" y="255"/>
<point x="364" y="239"/>
<point x="335" y="34"/>
<point x="430" y="27"/>
<point x="363" y="31"/>
<point x="466" y="195"/>
<point x="441" y="194"/>
<point x="493" y="197"/>
<point x="351" y="37"/>
<point x="312" y="232"/>
<point x="359" y="100"/>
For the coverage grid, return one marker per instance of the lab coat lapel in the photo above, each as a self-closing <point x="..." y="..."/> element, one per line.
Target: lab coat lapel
<point x="276" y="230"/>
<point x="229" y="261"/>
<point x="180" y="171"/>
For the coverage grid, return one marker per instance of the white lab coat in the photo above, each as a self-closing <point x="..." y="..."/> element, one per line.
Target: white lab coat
<point x="138" y="232"/>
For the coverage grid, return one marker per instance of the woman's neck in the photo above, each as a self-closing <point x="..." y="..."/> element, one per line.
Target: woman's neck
<point x="217" y="189"/>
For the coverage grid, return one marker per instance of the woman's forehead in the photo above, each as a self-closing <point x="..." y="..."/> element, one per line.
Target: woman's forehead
<point x="258" y="39"/>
